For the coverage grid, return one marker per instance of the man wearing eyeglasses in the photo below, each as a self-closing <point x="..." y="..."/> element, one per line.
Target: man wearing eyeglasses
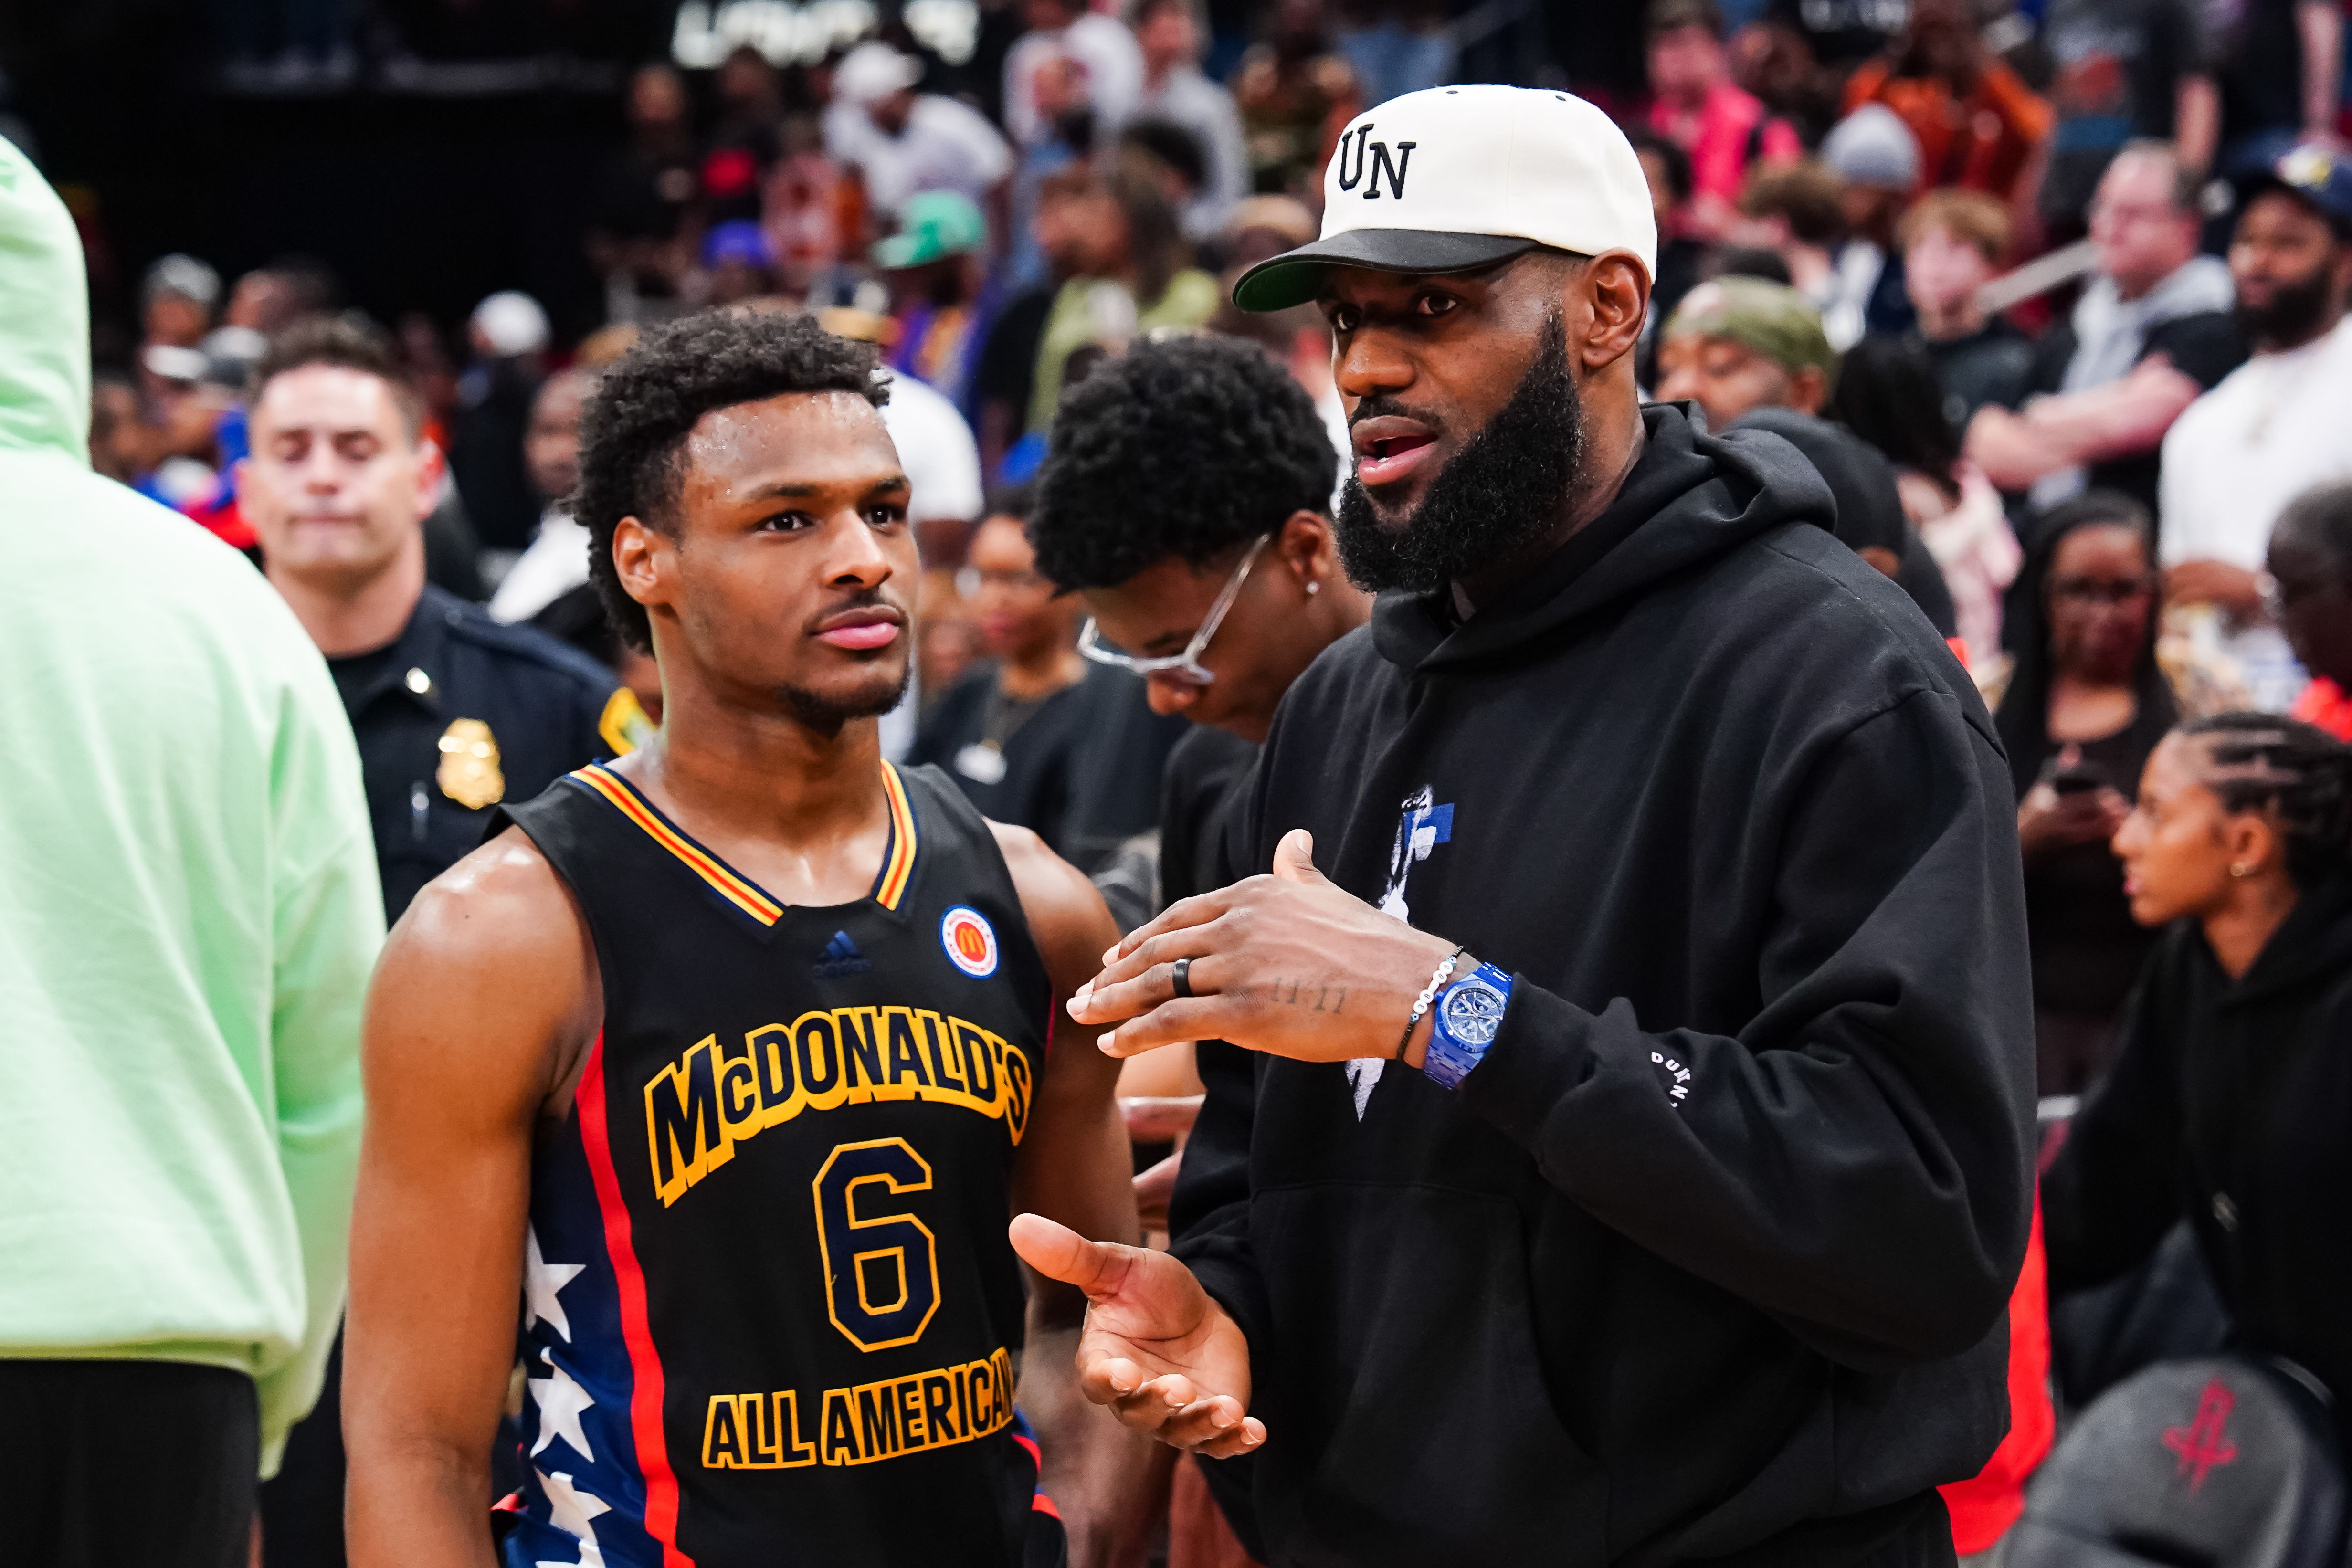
<point x="1636" y="1159"/>
<point x="1037" y="736"/>
<point x="1186" y="501"/>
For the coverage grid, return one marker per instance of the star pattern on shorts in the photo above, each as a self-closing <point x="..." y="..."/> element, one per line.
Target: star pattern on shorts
<point x="542" y="1281"/>
<point x="560" y="1399"/>
<point x="570" y="1510"/>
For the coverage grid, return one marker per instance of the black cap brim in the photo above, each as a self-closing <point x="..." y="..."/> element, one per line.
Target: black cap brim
<point x="1296" y="276"/>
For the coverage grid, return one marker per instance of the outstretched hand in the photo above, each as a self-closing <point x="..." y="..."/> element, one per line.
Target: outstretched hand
<point x="1291" y="964"/>
<point x="1155" y="1349"/>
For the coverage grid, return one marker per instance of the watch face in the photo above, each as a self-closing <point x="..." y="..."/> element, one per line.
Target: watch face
<point x="1474" y="1011"/>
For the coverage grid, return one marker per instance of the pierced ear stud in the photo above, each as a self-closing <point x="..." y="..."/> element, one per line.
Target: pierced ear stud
<point x="1313" y="585"/>
<point x="2241" y="869"/>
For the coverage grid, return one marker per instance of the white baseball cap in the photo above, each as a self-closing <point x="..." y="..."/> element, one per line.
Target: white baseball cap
<point x="1452" y="179"/>
<point x="872" y="72"/>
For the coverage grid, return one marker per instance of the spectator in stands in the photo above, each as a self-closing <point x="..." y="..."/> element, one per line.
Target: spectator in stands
<point x="2280" y="64"/>
<point x="738" y="264"/>
<point x="2085" y="705"/>
<point x="556" y="561"/>
<point x="812" y="210"/>
<point x="177" y="300"/>
<point x="1977" y="121"/>
<point x="1751" y="354"/>
<point x="2274" y="426"/>
<point x="2228" y="1104"/>
<point x="1953" y="243"/>
<point x="644" y="191"/>
<point x="1172" y="155"/>
<point x="1887" y="395"/>
<point x="940" y="294"/>
<point x="746" y="140"/>
<point x="1296" y="95"/>
<point x="1174" y="91"/>
<point x="905" y="142"/>
<point x="188" y="913"/>
<point x="2151" y="332"/>
<point x="2123" y="70"/>
<point x="1876" y="161"/>
<point x="1130" y="269"/>
<point x="1058" y="88"/>
<point x="1667" y="168"/>
<point x="1110" y="67"/>
<point x="1695" y="105"/>
<point x="1037" y="735"/>
<point x="2311" y="563"/>
<point x="509" y="335"/>
<point x="268" y="299"/>
<point x="1798" y="211"/>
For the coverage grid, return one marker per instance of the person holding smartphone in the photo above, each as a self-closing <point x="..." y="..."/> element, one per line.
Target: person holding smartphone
<point x="2085" y="705"/>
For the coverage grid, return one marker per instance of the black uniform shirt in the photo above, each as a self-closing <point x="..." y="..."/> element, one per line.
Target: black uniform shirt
<point x="457" y="714"/>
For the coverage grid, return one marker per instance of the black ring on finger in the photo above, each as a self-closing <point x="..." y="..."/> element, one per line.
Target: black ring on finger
<point x="1179" y="975"/>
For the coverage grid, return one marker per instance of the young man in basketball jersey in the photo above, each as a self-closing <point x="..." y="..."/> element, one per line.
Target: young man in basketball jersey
<point x="726" y="1063"/>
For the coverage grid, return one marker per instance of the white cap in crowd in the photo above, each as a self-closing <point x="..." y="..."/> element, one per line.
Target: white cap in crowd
<point x="1872" y="146"/>
<point x="509" y="323"/>
<point x="1452" y="179"/>
<point x="872" y="72"/>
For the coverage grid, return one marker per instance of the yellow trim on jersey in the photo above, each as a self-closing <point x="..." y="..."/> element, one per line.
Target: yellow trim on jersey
<point x="898" y="866"/>
<point x="738" y="891"/>
<point x="898" y="869"/>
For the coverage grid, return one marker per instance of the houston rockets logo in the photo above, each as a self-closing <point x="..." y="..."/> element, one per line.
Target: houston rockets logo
<point x="2201" y="1444"/>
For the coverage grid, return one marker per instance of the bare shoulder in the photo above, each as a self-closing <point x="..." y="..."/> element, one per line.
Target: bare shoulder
<point x="493" y="949"/>
<point x="501" y="905"/>
<point x="1066" y="916"/>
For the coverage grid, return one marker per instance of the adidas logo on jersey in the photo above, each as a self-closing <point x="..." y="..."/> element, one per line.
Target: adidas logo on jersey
<point x="840" y="957"/>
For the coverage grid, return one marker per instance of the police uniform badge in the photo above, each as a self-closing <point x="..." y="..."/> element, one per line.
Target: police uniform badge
<point x="469" y="773"/>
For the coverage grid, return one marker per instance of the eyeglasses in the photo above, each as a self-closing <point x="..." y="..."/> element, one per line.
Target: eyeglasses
<point x="2101" y="590"/>
<point x="1185" y="666"/>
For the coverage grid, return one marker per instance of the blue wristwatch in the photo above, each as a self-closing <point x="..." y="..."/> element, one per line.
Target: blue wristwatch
<point x="1462" y="1024"/>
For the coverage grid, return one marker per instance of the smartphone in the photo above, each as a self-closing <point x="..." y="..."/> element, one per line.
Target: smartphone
<point x="2079" y="780"/>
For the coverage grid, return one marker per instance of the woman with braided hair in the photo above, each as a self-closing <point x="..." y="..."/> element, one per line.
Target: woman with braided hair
<point x="2232" y="1097"/>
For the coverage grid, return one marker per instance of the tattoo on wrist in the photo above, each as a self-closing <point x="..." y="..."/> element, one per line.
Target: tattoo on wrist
<point x="1306" y="994"/>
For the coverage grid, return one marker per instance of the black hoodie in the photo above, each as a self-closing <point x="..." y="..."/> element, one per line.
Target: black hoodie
<point x="2232" y="1104"/>
<point x="1707" y="1259"/>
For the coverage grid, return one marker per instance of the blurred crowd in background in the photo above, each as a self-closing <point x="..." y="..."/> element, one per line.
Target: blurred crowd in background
<point x="2051" y="290"/>
<point x="2051" y="294"/>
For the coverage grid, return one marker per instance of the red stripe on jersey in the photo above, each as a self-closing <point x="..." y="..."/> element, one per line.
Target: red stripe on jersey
<point x="636" y="1329"/>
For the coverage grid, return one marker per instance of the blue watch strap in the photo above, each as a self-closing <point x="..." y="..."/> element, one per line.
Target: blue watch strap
<point x="1462" y="1024"/>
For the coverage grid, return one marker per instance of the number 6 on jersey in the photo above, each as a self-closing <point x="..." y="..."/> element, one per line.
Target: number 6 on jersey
<point x="881" y="1270"/>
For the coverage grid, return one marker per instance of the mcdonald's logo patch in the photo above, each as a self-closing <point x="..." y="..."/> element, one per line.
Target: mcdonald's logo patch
<point x="970" y="940"/>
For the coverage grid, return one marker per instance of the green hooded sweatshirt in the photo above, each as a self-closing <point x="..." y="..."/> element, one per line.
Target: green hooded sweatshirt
<point x="188" y="903"/>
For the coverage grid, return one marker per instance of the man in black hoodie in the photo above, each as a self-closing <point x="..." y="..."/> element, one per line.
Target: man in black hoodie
<point x="1634" y="1161"/>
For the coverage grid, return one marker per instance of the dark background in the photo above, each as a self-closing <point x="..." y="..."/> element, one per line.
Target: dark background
<point x="463" y="155"/>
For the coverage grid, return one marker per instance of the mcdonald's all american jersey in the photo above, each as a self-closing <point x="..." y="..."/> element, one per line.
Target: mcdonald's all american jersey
<point x="771" y="1315"/>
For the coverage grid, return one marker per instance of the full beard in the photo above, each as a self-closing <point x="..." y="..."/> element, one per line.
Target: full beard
<point x="1498" y="495"/>
<point x="2294" y="312"/>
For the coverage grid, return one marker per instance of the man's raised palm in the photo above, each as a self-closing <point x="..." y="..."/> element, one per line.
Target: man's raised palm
<point x="1155" y="1348"/>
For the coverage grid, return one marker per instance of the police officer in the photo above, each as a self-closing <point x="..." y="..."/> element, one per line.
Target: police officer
<point x="454" y="712"/>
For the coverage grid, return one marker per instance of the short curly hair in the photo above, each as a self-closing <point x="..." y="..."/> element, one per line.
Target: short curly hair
<point x="1186" y="447"/>
<point x="634" y="427"/>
